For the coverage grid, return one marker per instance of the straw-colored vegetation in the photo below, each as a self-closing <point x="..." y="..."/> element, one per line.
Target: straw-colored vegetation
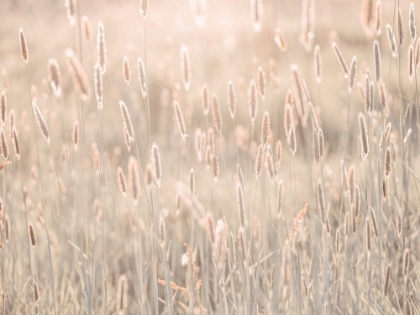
<point x="209" y="157"/>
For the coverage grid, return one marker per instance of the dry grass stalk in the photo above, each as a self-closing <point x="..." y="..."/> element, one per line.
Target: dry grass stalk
<point x="23" y="46"/>
<point x="368" y="242"/>
<point x="134" y="179"/>
<point x="98" y="79"/>
<point x="192" y="183"/>
<point x="122" y="181"/>
<point x="317" y="64"/>
<point x="4" y="147"/>
<point x="256" y="14"/>
<point x="391" y="41"/>
<point x="15" y="142"/>
<point x="410" y="62"/>
<point x="215" y="167"/>
<point x="205" y="99"/>
<point x="71" y="11"/>
<point x="341" y="59"/>
<point x="75" y="135"/>
<point x="265" y="128"/>
<point x="353" y="68"/>
<point x="144" y="7"/>
<point x="400" y="28"/>
<point x="142" y="76"/>
<point x="122" y="290"/>
<point x="378" y="18"/>
<point x="127" y="120"/>
<point x="259" y="161"/>
<point x="185" y="67"/>
<point x="41" y="122"/>
<point x="240" y="176"/>
<point x="241" y="204"/>
<point x="80" y="80"/>
<point x="315" y="145"/>
<point x="3" y="107"/>
<point x="364" y="140"/>
<point x="252" y="100"/>
<point x="179" y="117"/>
<point x="32" y="234"/>
<point x="377" y="59"/>
<point x="367" y="16"/>
<point x="280" y="193"/>
<point x="261" y="82"/>
<point x="126" y="70"/>
<point x="87" y="29"/>
<point x="54" y="76"/>
<point x="231" y="99"/>
<point x="217" y="114"/>
<point x="156" y="162"/>
<point x="101" y="47"/>
<point x="406" y="262"/>
<point x="280" y="40"/>
<point x="412" y="24"/>
<point x="279" y="152"/>
<point x="307" y="24"/>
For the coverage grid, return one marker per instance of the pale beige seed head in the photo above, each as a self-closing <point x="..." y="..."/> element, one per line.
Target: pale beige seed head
<point x="317" y="64"/>
<point x="261" y="82"/>
<point x="99" y="91"/>
<point x="144" y="7"/>
<point x="280" y="193"/>
<point x="71" y="10"/>
<point x="387" y="278"/>
<point x="87" y="28"/>
<point x="156" y="162"/>
<point x="301" y="96"/>
<point x="54" y="76"/>
<point x="241" y="204"/>
<point x="185" y="67"/>
<point x="217" y="114"/>
<point x="391" y="41"/>
<point x="36" y="291"/>
<point x="387" y="162"/>
<point x="279" y="152"/>
<point x="23" y="46"/>
<point x="259" y="161"/>
<point x="252" y="100"/>
<point x="126" y="70"/>
<point x="341" y="59"/>
<point x="127" y="139"/>
<point x="368" y="241"/>
<point x="417" y="54"/>
<point x="142" y="76"/>
<point x="80" y="80"/>
<point x="410" y="62"/>
<point x="367" y="16"/>
<point x="215" y="167"/>
<point x="15" y="142"/>
<point x="122" y="181"/>
<point x="127" y="120"/>
<point x="353" y="68"/>
<point x="274" y="75"/>
<point x="406" y="262"/>
<point x="280" y="40"/>
<point x="75" y="135"/>
<point x="378" y="18"/>
<point x="265" y="128"/>
<point x="41" y="122"/>
<point x="400" y="28"/>
<point x="101" y="47"/>
<point x="231" y="99"/>
<point x="32" y="236"/>
<point x="412" y="24"/>
<point x="205" y="99"/>
<point x="179" y="117"/>
<point x="3" y="107"/>
<point x="3" y="146"/>
<point x="377" y="60"/>
<point x="256" y="14"/>
<point x="162" y="231"/>
<point x="364" y="140"/>
<point x="288" y="121"/>
<point x="321" y="143"/>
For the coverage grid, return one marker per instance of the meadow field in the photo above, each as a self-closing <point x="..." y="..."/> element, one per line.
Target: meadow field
<point x="209" y="157"/>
